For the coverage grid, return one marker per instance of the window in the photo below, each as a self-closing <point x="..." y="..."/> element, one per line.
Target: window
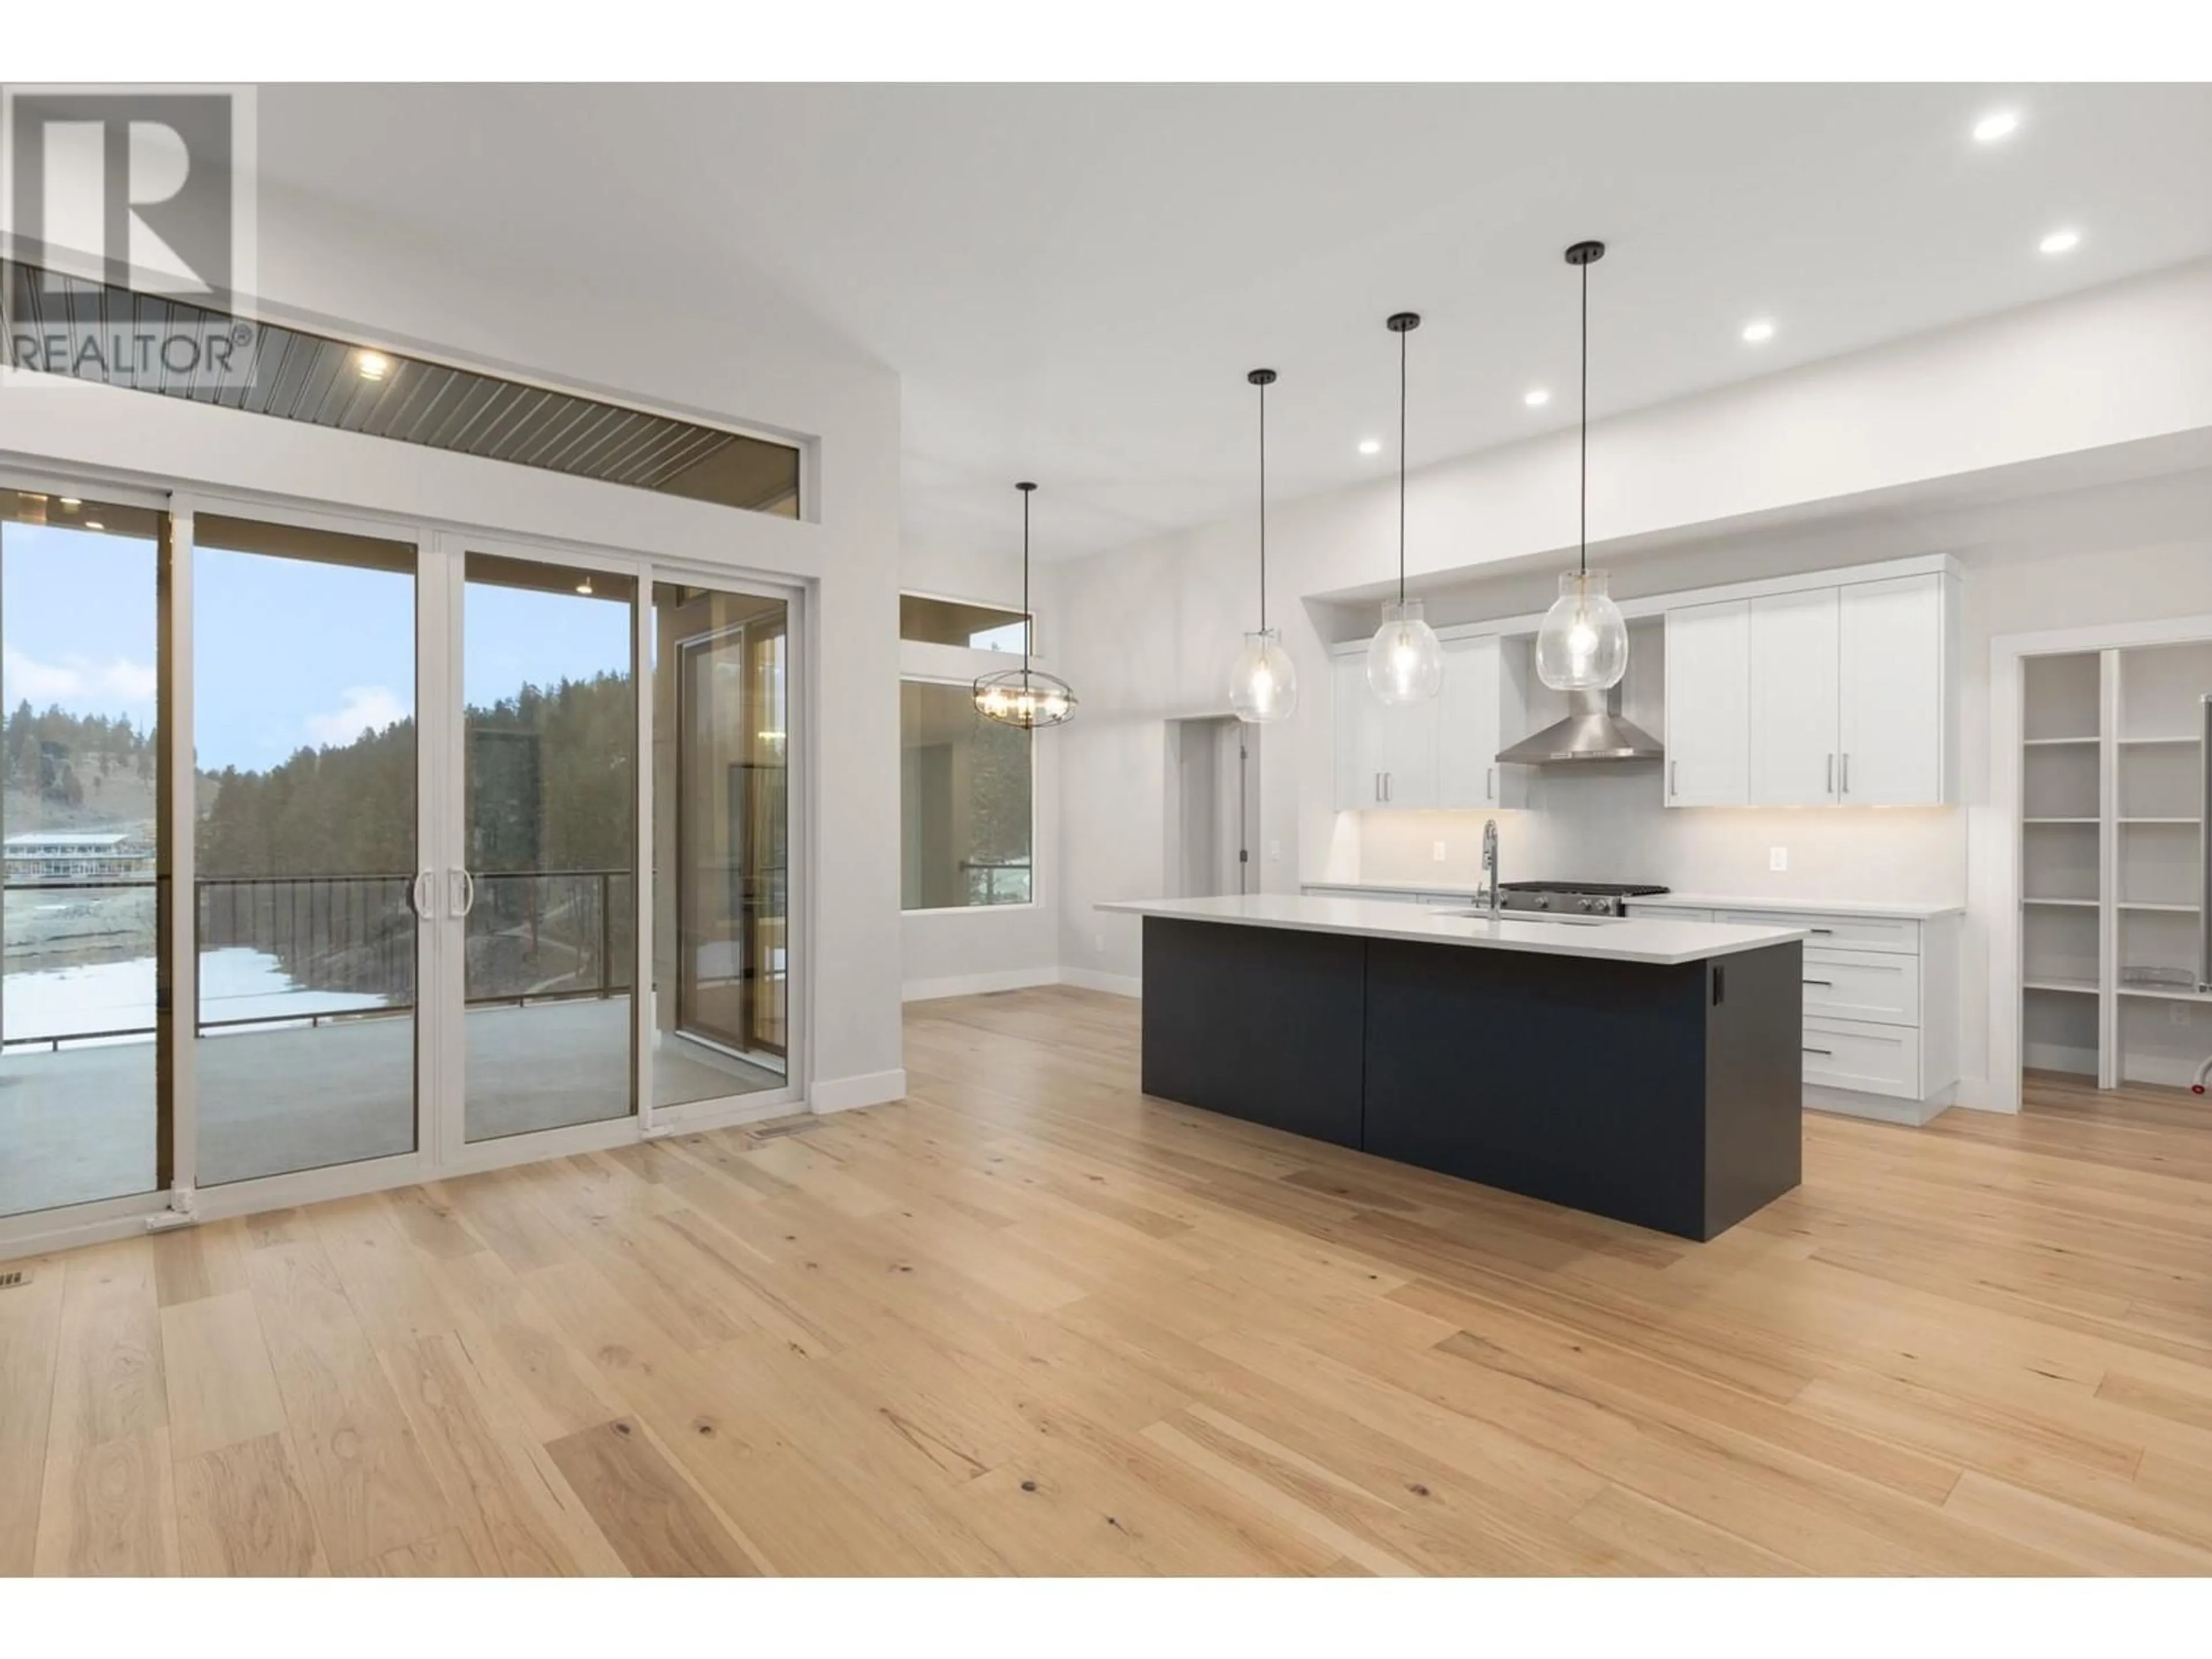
<point x="964" y="803"/>
<point x="925" y="621"/>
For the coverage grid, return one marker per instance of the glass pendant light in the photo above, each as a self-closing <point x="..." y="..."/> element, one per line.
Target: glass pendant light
<point x="1024" y="696"/>
<point x="1405" y="661"/>
<point x="1264" y="685"/>
<point x="1582" y="645"/>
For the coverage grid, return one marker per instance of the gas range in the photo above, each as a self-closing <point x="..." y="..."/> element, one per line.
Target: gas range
<point x="1589" y="898"/>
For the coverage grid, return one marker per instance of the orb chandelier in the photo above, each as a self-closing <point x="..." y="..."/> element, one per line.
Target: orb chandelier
<point x="1025" y="696"/>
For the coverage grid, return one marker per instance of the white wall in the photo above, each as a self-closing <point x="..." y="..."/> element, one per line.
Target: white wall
<point x="1153" y="628"/>
<point x="730" y="351"/>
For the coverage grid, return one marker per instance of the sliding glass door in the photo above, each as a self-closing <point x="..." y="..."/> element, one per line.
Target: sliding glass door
<point x="84" y="1036"/>
<point x="306" y="904"/>
<point x="722" y="809"/>
<point x="424" y="922"/>
<point x="547" y="887"/>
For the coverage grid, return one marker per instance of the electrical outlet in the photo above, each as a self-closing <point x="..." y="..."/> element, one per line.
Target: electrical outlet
<point x="1438" y="854"/>
<point x="2178" y="1013"/>
<point x="1778" y="858"/>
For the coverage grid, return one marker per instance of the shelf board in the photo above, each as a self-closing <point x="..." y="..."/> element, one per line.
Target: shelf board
<point x="2167" y="993"/>
<point x="2177" y="909"/>
<point x="2086" y="987"/>
<point x="2058" y="820"/>
<point x="2143" y="742"/>
<point x="2086" y="904"/>
<point x="2046" y="743"/>
<point x="2187" y="820"/>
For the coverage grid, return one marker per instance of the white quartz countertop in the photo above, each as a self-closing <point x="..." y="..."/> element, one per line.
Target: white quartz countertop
<point x="1796" y="907"/>
<point x="1649" y="939"/>
<point x="1922" y="912"/>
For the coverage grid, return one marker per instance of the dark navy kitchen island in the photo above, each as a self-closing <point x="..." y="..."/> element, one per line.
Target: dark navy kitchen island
<point x="1647" y="1070"/>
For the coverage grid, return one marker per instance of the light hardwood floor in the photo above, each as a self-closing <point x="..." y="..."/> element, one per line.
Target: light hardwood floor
<point x="1029" y="1321"/>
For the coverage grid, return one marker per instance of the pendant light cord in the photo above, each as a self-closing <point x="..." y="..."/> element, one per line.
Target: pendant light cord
<point x="1582" y="532"/>
<point x="1401" y="467"/>
<point x="1029" y="621"/>
<point x="1263" y="507"/>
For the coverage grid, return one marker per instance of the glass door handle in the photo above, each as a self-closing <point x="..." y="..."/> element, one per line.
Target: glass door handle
<point x="463" y="887"/>
<point x="420" y="894"/>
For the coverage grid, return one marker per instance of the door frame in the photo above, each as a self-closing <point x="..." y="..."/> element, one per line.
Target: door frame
<point x="721" y="1111"/>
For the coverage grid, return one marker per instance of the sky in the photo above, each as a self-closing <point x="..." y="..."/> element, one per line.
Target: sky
<point x="287" y="652"/>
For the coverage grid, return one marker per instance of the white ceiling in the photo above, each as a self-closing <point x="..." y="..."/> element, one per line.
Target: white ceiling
<point x="1071" y="281"/>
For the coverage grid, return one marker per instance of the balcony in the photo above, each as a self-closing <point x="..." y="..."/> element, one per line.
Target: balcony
<point x="306" y="997"/>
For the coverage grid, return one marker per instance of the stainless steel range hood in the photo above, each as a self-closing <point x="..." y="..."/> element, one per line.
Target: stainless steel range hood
<point x="1593" y="731"/>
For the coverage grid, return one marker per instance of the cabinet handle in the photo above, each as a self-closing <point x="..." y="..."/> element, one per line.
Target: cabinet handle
<point x="1673" y="779"/>
<point x="1385" y="786"/>
<point x="1489" y="783"/>
<point x="1846" y="789"/>
<point x="1819" y="930"/>
<point x="1828" y="983"/>
<point x="1831" y="774"/>
<point x="1829" y="1052"/>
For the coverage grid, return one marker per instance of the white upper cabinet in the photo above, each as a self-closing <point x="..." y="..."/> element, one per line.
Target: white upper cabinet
<point x="1708" y="705"/>
<point x="1385" y="756"/>
<point x="1838" y="694"/>
<point x="1482" y="707"/>
<point x="1893" y="700"/>
<point x="1794" y="745"/>
<point x="1358" y="739"/>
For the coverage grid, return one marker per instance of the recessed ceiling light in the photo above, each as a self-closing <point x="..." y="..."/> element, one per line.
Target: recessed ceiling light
<point x="1758" y="333"/>
<point x="373" y="365"/>
<point x="1371" y="445"/>
<point x="585" y="586"/>
<point x="1999" y="123"/>
<point x="1535" y="396"/>
<point x="94" y="523"/>
<point x="71" y="500"/>
<point x="2060" y="241"/>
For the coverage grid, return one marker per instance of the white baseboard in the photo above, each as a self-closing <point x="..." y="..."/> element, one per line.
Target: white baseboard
<point x="1021" y="979"/>
<point x="1881" y="1108"/>
<point x="843" y="1094"/>
<point x="1086" y="979"/>
<point x="976" y="985"/>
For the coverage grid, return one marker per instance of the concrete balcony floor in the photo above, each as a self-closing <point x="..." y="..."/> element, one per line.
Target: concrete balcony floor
<point x="79" y="1124"/>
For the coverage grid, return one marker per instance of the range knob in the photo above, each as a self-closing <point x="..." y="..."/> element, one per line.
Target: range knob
<point x="1543" y="901"/>
<point x="1589" y="904"/>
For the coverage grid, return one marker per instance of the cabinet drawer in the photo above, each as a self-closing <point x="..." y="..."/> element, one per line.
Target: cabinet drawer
<point x="1668" y="912"/>
<point x="1850" y="933"/>
<point x="1880" y="986"/>
<point x="1875" y="1060"/>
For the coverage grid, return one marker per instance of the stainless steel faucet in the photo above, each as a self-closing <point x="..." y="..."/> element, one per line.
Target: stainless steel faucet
<point x="1490" y="861"/>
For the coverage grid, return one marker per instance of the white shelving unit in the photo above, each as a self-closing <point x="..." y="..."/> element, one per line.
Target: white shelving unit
<point x="2111" y="862"/>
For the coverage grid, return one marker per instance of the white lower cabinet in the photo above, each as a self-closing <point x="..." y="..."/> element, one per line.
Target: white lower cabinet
<point x="1880" y="1006"/>
<point x="1863" y="1057"/>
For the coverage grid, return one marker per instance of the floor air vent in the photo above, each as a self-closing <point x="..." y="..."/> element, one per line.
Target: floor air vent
<point x="14" y="1278"/>
<point x="89" y="330"/>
